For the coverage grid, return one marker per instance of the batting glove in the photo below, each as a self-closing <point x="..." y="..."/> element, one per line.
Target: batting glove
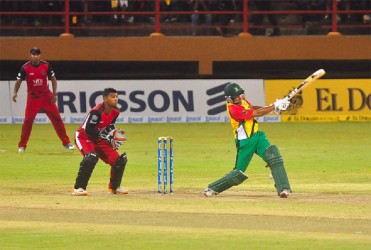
<point x="277" y="104"/>
<point x="281" y="105"/>
<point x="284" y="104"/>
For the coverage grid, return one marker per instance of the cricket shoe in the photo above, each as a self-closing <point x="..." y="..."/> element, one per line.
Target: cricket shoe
<point x="79" y="192"/>
<point x="118" y="190"/>
<point x="285" y="193"/>
<point x="69" y="146"/>
<point x="21" y="150"/>
<point x="208" y="192"/>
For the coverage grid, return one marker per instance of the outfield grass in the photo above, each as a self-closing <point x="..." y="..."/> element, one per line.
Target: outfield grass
<point x="329" y="166"/>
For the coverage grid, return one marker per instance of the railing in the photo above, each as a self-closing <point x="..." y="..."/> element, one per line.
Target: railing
<point x="83" y="18"/>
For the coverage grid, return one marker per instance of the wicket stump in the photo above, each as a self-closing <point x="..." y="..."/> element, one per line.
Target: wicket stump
<point x="165" y="145"/>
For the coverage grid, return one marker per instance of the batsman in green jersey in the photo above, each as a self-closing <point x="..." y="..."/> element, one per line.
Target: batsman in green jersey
<point x="250" y="140"/>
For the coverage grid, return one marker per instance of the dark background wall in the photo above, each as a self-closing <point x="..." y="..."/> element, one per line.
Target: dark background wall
<point x="193" y="57"/>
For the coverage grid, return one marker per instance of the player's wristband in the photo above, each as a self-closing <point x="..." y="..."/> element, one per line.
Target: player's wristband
<point x="55" y="94"/>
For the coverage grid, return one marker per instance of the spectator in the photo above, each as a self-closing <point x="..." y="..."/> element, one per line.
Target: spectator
<point x="100" y="6"/>
<point x="356" y="5"/>
<point x="5" y="6"/>
<point x="185" y="5"/>
<point x="265" y="5"/>
<point x="366" y="6"/>
<point x="169" y="5"/>
<point x="52" y="6"/>
<point x="143" y="6"/>
<point x="119" y="6"/>
<point x="32" y="6"/>
<point x="77" y="6"/>
<point x="225" y="19"/>
<point x="309" y="5"/>
<point x="202" y="5"/>
<point x="344" y="5"/>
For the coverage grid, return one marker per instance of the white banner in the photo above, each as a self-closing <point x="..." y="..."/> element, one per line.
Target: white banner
<point x="140" y="101"/>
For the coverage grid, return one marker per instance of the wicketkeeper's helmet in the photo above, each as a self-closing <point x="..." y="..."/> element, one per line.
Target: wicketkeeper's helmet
<point x="232" y="90"/>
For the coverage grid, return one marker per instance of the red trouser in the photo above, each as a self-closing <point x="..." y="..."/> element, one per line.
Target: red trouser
<point x="33" y="106"/>
<point x="104" y="150"/>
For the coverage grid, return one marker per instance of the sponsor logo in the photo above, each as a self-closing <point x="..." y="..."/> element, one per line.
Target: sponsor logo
<point x="214" y="119"/>
<point x="217" y="99"/>
<point x="94" y="118"/>
<point x="155" y="119"/>
<point x="3" y="119"/>
<point x="37" y="82"/>
<point x="77" y="119"/>
<point x="358" y="100"/>
<point x="193" y="119"/>
<point x="17" y="120"/>
<point x="41" y="120"/>
<point x="135" y="119"/>
<point x="270" y="118"/>
<point x="120" y="120"/>
<point x="174" y="119"/>
<point x="136" y="101"/>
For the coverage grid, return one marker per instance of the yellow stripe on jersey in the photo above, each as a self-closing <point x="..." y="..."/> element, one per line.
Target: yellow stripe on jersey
<point x="245" y="128"/>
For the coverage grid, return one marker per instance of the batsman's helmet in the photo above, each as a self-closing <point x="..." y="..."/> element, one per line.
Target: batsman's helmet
<point x="232" y="90"/>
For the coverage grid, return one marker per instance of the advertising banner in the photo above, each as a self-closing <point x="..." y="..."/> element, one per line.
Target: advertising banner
<point x="140" y="101"/>
<point x="324" y="100"/>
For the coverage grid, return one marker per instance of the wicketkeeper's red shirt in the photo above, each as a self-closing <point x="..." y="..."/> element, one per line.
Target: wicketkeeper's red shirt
<point x="97" y="120"/>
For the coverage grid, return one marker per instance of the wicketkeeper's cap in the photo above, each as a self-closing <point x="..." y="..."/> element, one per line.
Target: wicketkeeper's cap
<point x="35" y="51"/>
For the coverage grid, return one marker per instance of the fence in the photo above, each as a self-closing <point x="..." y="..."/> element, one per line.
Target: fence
<point x="184" y="17"/>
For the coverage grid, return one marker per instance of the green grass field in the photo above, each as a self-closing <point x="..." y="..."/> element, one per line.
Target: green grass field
<point x="328" y="164"/>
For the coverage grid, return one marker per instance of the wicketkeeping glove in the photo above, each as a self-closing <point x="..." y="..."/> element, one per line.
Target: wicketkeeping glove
<point x="105" y="133"/>
<point x="106" y="130"/>
<point x="114" y="137"/>
<point x="119" y="138"/>
<point x="106" y="137"/>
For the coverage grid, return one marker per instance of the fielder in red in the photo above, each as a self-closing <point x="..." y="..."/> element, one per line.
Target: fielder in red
<point x="37" y="72"/>
<point x="95" y="142"/>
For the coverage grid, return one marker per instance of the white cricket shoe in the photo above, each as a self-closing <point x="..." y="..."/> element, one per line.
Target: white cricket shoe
<point x="208" y="192"/>
<point x="80" y="192"/>
<point x="284" y="193"/>
<point x="69" y="146"/>
<point x="118" y="190"/>
<point x="21" y="150"/>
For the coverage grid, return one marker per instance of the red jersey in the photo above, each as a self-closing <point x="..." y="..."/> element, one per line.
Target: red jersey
<point x="243" y="123"/>
<point x="96" y="121"/>
<point x="37" y="78"/>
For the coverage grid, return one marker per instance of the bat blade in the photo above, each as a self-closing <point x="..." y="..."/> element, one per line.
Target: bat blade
<point x="316" y="75"/>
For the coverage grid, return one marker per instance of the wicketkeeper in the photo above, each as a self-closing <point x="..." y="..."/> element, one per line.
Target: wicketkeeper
<point x="249" y="140"/>
<point x="97" y="138"/>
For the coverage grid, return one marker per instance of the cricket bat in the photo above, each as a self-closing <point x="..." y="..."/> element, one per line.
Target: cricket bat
<point x="316" y="75"/>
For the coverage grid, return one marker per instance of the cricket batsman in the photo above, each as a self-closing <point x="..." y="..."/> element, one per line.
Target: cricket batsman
<point x="249" y="140"/>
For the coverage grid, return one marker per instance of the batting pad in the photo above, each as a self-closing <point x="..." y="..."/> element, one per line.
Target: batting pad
<point x="233" y="178"/>
<point x="274" y="160"/>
